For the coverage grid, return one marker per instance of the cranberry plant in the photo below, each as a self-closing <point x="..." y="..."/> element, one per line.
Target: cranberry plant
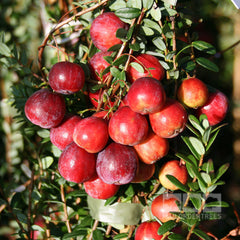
<point x="140" y="47"/>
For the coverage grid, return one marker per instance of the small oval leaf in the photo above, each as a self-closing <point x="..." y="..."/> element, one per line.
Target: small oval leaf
<point x="177" y="183"/>
<point x="204" y="62"/>
<point x="204" y="46"/>
<point x="128" y="13"/>
<point x="137" y="66"/>
<point x="167" y="226"/>
<point x="159" y="43"/>
<point x="197" y="144"/>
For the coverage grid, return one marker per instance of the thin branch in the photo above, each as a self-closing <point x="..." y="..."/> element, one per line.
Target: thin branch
<point x="31" y="186"/>
<point x="65" y="208"/>
<point x="93" y="228"/>
<point x="61" y="24"/>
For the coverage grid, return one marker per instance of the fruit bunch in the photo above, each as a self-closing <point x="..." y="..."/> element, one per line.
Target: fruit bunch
<point x="129" y="121"/>
<point x="123" y="139"/>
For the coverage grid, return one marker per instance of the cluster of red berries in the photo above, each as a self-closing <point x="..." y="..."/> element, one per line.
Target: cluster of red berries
<point x="104" y="151"/>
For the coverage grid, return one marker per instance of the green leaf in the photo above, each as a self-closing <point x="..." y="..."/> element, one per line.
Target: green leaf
<point x="206" y="135"/>
<point x="205" y="123"/>
<point x="221" y="171"/>
<point x="117" y="4"/>
<point x="4" y="50"/>
<point x="146" y="31"/>
<point x="193" y="185"/>
<point x="137" y="66"/>
<point x="202" y="118"/>
<point x="47" y="162"/>
<point x="105" y="71"/>
<point x="147" y="4"/>
<point x="43" y="133"/>
<point x="190" y="170"/>
<point x="195" y="122"/>
<point x="167" y="226"/>
<point x="170" y="55"/>
<point x="194" y="131"/>
<point x="188" y="216"/>
<point x="201" y="234"/>
<point x="208" y="166"/>
<point x="211" y="140"/>
<point x="176" y="236"/>
<point x="122" y="34"/>
<point x="37" y="228"/>
<point x="130" y="33"/>
<point x="128" y="13"/>
<point x="120" y="60"/>
<point x="199" y="177"/>
<point x="115" y="47"/>
<point x="76" y="193"/>
<point x="152" y="24"/>
<point x="196" y="200"/>
<point x="135" y="46"/>
<point x="115" y="72"/>
<point x="134" y="4"/>
<point x="216" y="204"/>
<point x="110" y="200"/>
<point x="108" y="59"/>
<point x="21" y="217"/>
<point x="204" y="46"/>
<point x="97" y="235"/>
<point x="156" y="13"/>
<point x="120" y="236"/>
<point x="164" y="65"/>
<point x="97" y="87"/>
<point x="197" y="144"/>
<point x="159" y="43"/>
<point x="204" y="62"/>
<point x="189" y="66"/>
<point x="206" y="177"/>
<point x="74" y="234"/>
<point x="191" y="148"/>
<point x="186" y="159"/>
<point x="177" y="183"/>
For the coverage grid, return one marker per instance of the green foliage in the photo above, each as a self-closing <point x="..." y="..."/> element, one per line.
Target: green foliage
<point x="37" y="189"/>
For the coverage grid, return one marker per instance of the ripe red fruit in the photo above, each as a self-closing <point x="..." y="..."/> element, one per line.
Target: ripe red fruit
<point x="148" y="231"/>
<point x="45" y="108"/>
<point x="117" y="164"/>
<point x="62" y="135"/>
<point x="146" y="95"/>
<point x="144" y="172"/>
<point x="152" y="149"/>
<point x="76" y="164"/>
<point x="163" y="206"/>
<point x="91" y="133"/>
<point x="36" y="234"/>
<point x="215" y="108"/>
<point x="170" y="120"/>
<point x="96" y="188"/>
<point x="151" y="65"/>
<point x="103" y="30"/>
<point x="173" y="168"/>
<point x="98" y="64"/>
<point x="127" y="127"/>
<point x="193" y="92"/>
<point x="66" y="77"/>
